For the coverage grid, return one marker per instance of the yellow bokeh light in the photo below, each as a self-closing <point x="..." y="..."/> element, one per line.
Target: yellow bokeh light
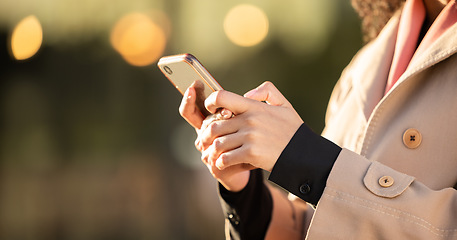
<point x="138" y="39"/>
<point x="26" y="38"/>
<point x="246" y="25"/>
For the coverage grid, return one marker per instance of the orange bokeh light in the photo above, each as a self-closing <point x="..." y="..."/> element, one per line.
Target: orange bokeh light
<point x="246" y="25"/>
<point x="26" y="38"/>
<point x="138" y="39"/>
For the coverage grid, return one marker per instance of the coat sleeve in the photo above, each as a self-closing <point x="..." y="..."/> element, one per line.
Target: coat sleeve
<point x="368" y="200"/>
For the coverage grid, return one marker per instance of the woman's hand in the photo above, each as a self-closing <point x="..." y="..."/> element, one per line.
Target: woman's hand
<point x="257" y="134"/>
<point x="233" y="178"/>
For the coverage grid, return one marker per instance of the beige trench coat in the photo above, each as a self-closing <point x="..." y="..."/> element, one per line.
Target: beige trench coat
<point x="394" y="177"/>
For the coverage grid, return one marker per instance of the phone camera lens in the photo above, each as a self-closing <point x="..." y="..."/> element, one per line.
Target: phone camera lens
<point x="168" y="70"/>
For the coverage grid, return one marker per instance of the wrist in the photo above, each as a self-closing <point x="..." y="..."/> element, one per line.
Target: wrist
<point x="236" y="182"/>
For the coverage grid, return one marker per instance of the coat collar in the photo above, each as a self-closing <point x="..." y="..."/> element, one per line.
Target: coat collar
<point x="443" y="47"/>
<point x="370" y="79"/>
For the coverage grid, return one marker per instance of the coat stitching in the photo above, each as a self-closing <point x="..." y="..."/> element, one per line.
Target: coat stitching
<point x="425" y="224"/>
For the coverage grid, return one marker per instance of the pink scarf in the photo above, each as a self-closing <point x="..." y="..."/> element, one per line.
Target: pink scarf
<point x="412" y="19"/>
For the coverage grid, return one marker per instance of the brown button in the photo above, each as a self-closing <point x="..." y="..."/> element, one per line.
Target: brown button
<point x="386" y="181"/>
<point x="412" y="138"/>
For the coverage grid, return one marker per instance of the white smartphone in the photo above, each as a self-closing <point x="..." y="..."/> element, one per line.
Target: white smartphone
<point x="184" y="69"/>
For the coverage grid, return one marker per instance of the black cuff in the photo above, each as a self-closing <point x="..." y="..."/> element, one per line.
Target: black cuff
<point x="304" y="165"/>
<point x="249" y="210"/>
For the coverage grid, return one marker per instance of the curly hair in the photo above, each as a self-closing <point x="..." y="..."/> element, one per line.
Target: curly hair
<point x="375" y="14"/>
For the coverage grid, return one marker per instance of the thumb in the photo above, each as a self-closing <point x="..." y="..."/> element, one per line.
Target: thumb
<point x="268" y="93"/>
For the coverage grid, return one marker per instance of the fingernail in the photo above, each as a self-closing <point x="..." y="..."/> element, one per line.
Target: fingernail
<point x="250" y="93"/>
<point x="226" y="114"/>
<point x="186" y="93"/>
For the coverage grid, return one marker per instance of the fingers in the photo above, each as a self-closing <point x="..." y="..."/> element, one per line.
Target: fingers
<point x="215" y="129"/>
<point x="198" y="142"/>
<point x="208" y="133"/>
<point x="226" y="114"/>
<point x="219" y="146"/>
<point x="228" y="100"/>
<point x="189" y="110"/>
<point x="237" y="104"/>
<point x="232" y="158"/>
<point x="269" y="93"/>
<point x="256" y="135"/>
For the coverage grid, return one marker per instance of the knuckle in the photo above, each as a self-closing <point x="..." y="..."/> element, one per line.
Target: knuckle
<point x="207" y="122"/>
<point x="252" y="153"/>
<point x="212" y="158"/>
<point x="250" y="136"/>
<point x="205" y="143"/>
<point x="268" y="84"/>
<point x="224" y="159"/>
<point x="217" y="145"/>
<point x="251" y="121"/>
<point x="212" y="128"/>
<point x="205" y="140"/>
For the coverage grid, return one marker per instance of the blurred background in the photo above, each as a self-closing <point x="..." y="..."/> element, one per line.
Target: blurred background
<point x="92" y="145"/>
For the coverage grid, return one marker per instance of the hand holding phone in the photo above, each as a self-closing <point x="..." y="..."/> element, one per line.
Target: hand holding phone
<point x="182" y="71"/>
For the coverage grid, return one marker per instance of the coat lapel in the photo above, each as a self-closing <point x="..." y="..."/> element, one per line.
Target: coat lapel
<point x="370" y="74"/>
<point x="441" y="49"/>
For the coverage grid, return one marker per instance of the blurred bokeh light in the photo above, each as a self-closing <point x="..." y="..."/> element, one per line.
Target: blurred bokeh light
<point x="138" y="39"/>
<point x="26" y="38"/>
<point x="246" y="25"/>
